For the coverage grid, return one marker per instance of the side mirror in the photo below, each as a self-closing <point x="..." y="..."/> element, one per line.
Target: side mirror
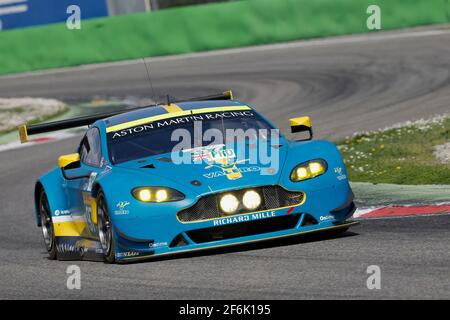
<point x="69" y="161"/>
<point x="301" y="124"/>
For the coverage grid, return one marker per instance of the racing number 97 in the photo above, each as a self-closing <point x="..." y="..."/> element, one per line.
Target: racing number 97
<point x="239" y="309"/>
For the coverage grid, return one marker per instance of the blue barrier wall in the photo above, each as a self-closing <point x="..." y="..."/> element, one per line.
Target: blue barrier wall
<point x="24" y="13"/>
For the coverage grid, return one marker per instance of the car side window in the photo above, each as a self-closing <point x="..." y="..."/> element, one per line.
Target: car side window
<point x="90" y="148"/>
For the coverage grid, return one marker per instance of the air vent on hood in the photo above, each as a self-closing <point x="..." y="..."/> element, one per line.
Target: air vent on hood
<point x="164" y="159"/>
<point x="148" y="166"/>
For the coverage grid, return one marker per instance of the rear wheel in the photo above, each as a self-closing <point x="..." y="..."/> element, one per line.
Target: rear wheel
<point x="105" y="231"/>
<point x="47" y="225"/>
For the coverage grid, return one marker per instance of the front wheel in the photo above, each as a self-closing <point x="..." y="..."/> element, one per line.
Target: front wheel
<point x="105" y="230"/>
<point x="47" y="225"/>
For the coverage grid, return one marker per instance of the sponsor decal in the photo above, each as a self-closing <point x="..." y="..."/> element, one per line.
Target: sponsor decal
<point x="178" y="121"/>
<point x="245" y="218"/>
<point x="62" y="213"/>
<point x="211" y="154"/>
<point x="232" y="172"/>
<point x="326" y="218"/>
<point x="219" y="157"/>
<point x="138" y="129"/>
<point x="157" y="245"/>
<point x="121" y="208"/>
<point x="127" y="254"/>
<point x="339" y="173"/>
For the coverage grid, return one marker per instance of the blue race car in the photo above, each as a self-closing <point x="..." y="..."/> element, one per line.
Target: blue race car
<point x="133" y="191"/>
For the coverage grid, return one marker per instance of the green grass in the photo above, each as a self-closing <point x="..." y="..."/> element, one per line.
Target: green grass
<point x="202" y="28"/>
<point x="403" y="155"/>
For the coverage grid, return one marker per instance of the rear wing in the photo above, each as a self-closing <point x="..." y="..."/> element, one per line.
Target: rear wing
<point x="25" y="131"/>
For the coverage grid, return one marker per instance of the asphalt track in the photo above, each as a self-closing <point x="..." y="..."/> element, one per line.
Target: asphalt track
<point x="347" y="84"/>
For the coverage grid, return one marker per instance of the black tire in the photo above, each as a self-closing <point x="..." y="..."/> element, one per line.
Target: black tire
<point x="47" y="225"/>
<point x="105" y="229"/>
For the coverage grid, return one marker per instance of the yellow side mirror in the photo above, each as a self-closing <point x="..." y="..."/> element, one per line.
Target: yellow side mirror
<point x="301" y="124"/>
<point x="68" y="159"/>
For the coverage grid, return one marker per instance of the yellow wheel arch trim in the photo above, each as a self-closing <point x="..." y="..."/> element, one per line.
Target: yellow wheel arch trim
<point x="169" y="115"/>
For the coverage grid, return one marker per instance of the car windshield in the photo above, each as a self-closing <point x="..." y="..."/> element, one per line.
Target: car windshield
<point x="161" y="137"/>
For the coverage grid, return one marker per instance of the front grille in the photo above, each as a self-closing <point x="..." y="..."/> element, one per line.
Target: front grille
<point x="244" y="229"/>
<point x="273" y="197"/>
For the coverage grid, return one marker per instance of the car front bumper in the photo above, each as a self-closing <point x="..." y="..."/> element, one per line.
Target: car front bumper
<point x="163" y="234"/>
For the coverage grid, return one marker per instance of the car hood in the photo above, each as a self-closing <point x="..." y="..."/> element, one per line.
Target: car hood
<point x="206" y="177"/>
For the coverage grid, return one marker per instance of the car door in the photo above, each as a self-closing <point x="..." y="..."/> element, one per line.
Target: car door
<point x="80" y="181"/>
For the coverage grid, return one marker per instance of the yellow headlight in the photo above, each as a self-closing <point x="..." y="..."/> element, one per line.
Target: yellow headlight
<point x="161" y="195"/>
<point x="302" y="173"/>
<point x="229" y="203"/>
<point x="251" y="200"/>
<point x="308" y="170"/>
<point x="316" y="168"/>
<point x="157" y="194"/>
<point x="144" y="195"/>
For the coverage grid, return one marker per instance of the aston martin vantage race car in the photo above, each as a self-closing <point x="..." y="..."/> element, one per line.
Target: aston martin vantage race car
<point x="190" y="175"/>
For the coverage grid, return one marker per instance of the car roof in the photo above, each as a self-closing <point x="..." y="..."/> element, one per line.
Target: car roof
<point x="129" y="117"/>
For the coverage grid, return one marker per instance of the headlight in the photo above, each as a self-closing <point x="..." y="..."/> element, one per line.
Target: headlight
<point x="161" y="195"/>
<point x="251" y="200"/>
<point x="309" y="169"/>
<point x="144" y="195"/>
<point x="229" y="203"/>
<point x="157" y="194"/>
